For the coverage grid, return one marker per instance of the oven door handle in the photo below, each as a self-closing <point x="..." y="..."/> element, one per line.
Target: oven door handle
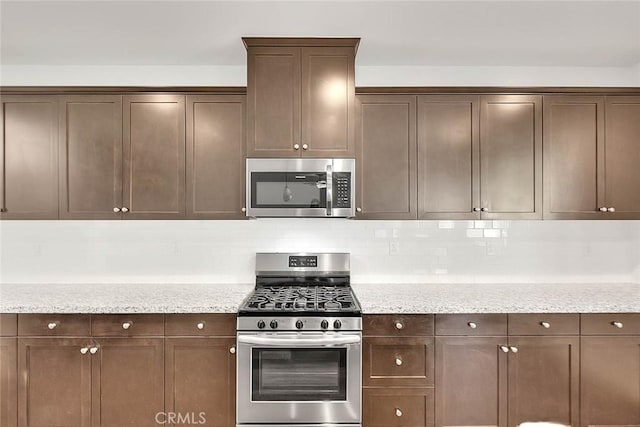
<point x="296" y="342"/>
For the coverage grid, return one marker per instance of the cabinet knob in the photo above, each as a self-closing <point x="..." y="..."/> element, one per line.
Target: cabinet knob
<point x="611" y="209"/>
<point x="200" y="325"/>
<point x="472" y="325"/>
<point x="93" y="350"/>
<point x="52" y="325"/>
<point x="116" y="210"/>
<point x="399" y="325"/>
<point x="603" y="209"/>
<point x="618" y="325"/>
<point x="125" y="210"/>
<point x="484" y="209"/>
<point x="504" y="349"/>
<point x="398" y="361"/>
<point x="545" y="325"/>
<point x="126" y="325"/>
<point x="243" y="209"/>
<point x="514" y="349"/>
<point x="358" y="209"/>
<point x="296" y="146"/>
<point x="398" y="412"/>
<point x="305" y="147"/>
<point x="232" y="350"/>
<point x="84" y="350"/>
<point x="476" y="209"/>
<point x="3" y="209"/>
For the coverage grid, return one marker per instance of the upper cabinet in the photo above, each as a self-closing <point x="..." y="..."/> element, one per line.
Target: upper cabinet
<point x="591" y="155"/>
<point x="301" y="97"/>
<point x="29" y="157"/>
<point x="480" y="157"/>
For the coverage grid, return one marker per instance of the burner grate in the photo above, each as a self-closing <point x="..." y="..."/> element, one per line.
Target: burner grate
<point x="301" y="298"/>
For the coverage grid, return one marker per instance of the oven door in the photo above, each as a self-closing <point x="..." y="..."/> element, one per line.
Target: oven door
<point x="291" y="377"/>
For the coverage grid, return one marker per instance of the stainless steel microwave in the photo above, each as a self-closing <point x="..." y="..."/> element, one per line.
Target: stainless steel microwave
<point x="301" y="188"/>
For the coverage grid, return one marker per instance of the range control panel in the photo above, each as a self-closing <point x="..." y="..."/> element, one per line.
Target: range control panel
<point x="303" y="261"/>
<point x="342" y="189"/>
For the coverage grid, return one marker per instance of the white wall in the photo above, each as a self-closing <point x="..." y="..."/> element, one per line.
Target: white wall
<point x="73" y="75"/>
<point x="223" y="251"/>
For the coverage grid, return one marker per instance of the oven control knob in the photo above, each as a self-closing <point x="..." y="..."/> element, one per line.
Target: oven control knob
<point x="299" y="324"/>
<point x="273" y="324"/>
<point x="324" y="324"/>
<point x="337" y="324"/>
<point x="261" y="324"/>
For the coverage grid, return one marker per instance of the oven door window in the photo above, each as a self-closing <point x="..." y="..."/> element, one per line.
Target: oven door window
<point x="301" y="374"/>
<point x="288" y="190"/>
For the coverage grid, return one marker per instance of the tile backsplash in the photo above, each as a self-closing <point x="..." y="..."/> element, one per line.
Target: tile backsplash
<point x="381" y="251"/>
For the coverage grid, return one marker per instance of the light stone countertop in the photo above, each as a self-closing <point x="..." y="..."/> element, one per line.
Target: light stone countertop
<point x="375" y="298"/>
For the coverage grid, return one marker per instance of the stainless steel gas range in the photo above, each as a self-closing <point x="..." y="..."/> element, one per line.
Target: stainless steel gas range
<point x="300" y="344"/>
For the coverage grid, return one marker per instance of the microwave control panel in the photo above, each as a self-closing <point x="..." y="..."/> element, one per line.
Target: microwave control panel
<point x="342" y="189"/>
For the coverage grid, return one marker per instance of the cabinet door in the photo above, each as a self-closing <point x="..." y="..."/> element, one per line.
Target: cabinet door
<point x="544" y="380"/>
<point x="622" y="157"/>
<point x="328" y="101"/>
<point x="154" y="157"/>
<point x="200" y="379"/>
<point x="448" y="157"/>
<point x="511" y="156"/>
<point x="273" y="102"/>
<point x="573" y="157"/>
<point x="8" y="382"/>
<point x="127" y="382"/>
<point x="90" y="157"/>
<point x="386" y="157"/>
<point x="29" y="157"/>
<point x="610" y="381"/>
<point x="215" y="156"/>
<point x="397" y="407"/>
<point x="471" y="381"/>
<point x="54" y="387"/>
<point x="398" y="362"/>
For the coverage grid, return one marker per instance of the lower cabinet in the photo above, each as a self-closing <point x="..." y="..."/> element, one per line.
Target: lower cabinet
<point x="401" y="407"/>
<point x="8" y="391"/>
<point x="200" y="380"/>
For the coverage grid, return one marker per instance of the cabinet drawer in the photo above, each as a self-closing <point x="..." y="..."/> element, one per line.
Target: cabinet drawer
<point x="611" y="324"/>
<point x="404" y="407"/>
<point x="200" y="324"/>
<point x="116" y="325"/>
<point x="397" y="325"/>
<point x="8" y="325"/>
<point x="54" y="324"/>
<point x="471" y="324"/>
<point x="401" y="362"/>
<point x="544" y="324"/>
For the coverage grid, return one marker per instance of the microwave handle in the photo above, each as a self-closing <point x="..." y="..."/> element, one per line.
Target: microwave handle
<point x="329" y="190"/>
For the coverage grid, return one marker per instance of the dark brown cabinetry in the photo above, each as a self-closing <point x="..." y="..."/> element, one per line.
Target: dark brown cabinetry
<point x="480" y="156"/>
<point x="154" y="157"/>
<point x="300" y="97"/>
<point x="8" y="371"/>
<point x="29" y="157"/>
<point x="386" y="157"/>
<point x="90" y="156"/>
<point x="215" y="156"/>
<point x="610" y="372"/>
<point x="398" y="370"/>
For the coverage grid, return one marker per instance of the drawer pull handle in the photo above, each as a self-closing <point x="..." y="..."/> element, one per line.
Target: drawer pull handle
<point x="545" y="325"/>
<point x="514" y="349"/>
<point x="200" y="325"/>
<point x="504" y="349"/>
<point x="93" y="350"/>
<point x="84" y="350"/>
<point x="232" y="350"/>
<point x="618" y="325"/>
<point x="472" y="325"/>
<point x="398" y="412"/>
<point x="398" y="361"/>
<point x="399" y="325"/>
<point x="126" y="325"/>
<point x="52" y="325"/>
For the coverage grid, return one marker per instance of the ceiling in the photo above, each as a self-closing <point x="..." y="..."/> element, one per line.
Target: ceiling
<point x="426" y="33"/>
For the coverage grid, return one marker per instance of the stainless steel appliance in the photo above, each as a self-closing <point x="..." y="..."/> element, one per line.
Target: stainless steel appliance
<point x="300" y="187"/>
<point x="300" y="344"/>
